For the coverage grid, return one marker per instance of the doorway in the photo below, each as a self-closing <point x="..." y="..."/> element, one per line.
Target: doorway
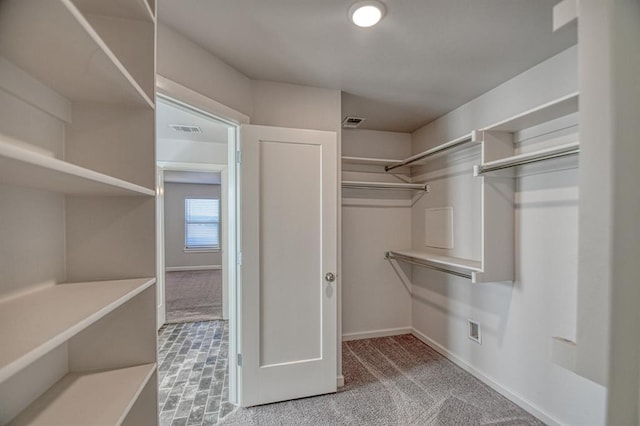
<point x="193" y="246"/>
<point x="196" y="217"/>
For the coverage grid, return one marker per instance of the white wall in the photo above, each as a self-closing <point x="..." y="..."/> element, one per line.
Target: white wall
<point x="519" y="319"/>
<point x="185" y="151"/>
<point x="374" y="300"/>
<point x="609" y="287"/>
<point x="175" y="255"/>
<point x="290" y="105"/>
<point x="183" y="61"/>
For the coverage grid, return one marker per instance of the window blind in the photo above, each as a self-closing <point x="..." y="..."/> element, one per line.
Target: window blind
<point x="202" y="223"/>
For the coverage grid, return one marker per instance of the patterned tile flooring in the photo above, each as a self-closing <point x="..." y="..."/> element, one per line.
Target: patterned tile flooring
<point x="194" y="387"/>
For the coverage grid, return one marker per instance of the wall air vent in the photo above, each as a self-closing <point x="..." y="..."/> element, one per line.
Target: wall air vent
<point x="185" y="128"/>
<point x="352" y="122"/>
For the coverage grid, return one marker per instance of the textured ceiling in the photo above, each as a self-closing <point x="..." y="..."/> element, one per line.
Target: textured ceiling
<point x="425" y="58"/>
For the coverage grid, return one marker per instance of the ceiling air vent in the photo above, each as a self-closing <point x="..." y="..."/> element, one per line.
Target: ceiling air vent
<point x="185" y="128"/>
<point x="352" y="122"/>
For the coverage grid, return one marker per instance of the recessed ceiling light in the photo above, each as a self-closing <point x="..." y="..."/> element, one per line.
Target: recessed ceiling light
<point x="366" y="13"/>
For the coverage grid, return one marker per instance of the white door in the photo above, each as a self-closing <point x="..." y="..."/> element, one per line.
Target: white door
<point x="289" y="246"/>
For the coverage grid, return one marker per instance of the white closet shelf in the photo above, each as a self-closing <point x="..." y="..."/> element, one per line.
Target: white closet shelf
<point x="35" y="323"/>
<point x="370" y="161"/>
<point x="421" y="157"/>
<point x="449" y="264"/>
<point x="22" y="166"/>
<point x="385" y="185"/>
<point x="127" y="9"/>
<point x="497" y="167"/>
<point x="52" y="41"/>
<point x="89" y="398"/>
<point x="555" y="109"/>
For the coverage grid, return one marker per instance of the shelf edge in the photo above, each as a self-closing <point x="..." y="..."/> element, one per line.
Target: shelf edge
<point x="29" y="357"/>
<point x="14" y="151"/>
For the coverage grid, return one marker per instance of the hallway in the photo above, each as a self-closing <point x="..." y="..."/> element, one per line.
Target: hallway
<point x="193" y="382"/>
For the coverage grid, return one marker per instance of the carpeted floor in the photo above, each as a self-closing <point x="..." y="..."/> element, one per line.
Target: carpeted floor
<point x="393" y="381"/>
<point x="193" y="296"/>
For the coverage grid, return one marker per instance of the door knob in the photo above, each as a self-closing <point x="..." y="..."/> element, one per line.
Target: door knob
<point x="330" y="277"/>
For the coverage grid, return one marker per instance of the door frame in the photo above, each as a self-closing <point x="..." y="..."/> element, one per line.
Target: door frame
<point x="162" y="167"/>
<point x="174" y="92"/>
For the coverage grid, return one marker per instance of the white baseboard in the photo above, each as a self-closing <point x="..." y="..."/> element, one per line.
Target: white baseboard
<point x="530" y="408"/>
<point x="340" y="381"/>
<point x="376" y="333"/>
<point x="192" y="268"/>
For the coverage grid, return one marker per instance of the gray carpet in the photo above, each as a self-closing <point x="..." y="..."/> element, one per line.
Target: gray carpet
<point x="393" y="381"/>
<point x="193" y="296"/>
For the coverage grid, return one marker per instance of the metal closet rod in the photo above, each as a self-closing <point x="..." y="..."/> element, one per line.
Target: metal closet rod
<point x="386" y="185"/>
<point x="534" y="159"/>
<point x="433" y="151"/>
<point x="390" y="256"/>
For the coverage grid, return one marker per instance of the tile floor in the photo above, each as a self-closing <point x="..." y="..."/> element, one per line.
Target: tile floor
<point x="194" y="387"/>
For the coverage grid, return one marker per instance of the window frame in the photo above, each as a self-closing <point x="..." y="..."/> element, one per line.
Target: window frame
<point x="187" y="222"/>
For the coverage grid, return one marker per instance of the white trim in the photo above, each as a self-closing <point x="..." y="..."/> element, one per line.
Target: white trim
<point x="194" y="100"/>
<point x="202" y="250"/>
<point x="510" y="395"/>
<point x="340" y="381"/>
<point x="230" y="187"/>
<point x="376" y="333"/>
<point x="192" y="268"/>
<point x="372" y="202"/>
<point x="191" y="167"/>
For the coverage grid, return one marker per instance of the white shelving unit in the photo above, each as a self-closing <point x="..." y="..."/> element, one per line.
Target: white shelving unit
<point x="369" y="166"/>
<point x="541" y="114"/>
<point x="498" y="159"/>
<point x="506" y="167"/>
<point x="422" y="157"/>
<point x="449" y="264"/>
<point x="59" y="405"/>
<point x="385" y="185"/>
<point x="498" y="148"/>
<point x="369" y="161"/>
<point x="23" y="167"/>
<point x="85" y="304"/>
<point x="77" y="179"/>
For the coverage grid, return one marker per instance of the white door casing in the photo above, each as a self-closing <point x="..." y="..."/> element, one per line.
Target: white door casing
<point x="160" y="301"/>
<point x="288" y="310"/>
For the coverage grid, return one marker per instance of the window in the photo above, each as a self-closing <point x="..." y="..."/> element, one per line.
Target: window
<point x="202" y="223"/>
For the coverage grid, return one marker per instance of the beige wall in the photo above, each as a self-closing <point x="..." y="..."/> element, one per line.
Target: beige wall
<point x="374" y="300"/>
<point x="518" y="319"/>
<point x="174" y="196"/>
<point x="184" y="62"/>
<point x="289" y="105"/>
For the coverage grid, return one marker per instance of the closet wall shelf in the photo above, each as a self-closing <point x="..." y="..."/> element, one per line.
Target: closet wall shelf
<point x="415" y="159"/>
<point x="48" y="39"/>
<point x="22" y="166"/>
<point x="555" y="109"/>
<point x="385" y="186"/>
<point x="79" y="398"/>
<point x="34" y="323"/>
<point x="369" y="161"/>
<point x="493" y="168"/>
<point x="448" y="264"/>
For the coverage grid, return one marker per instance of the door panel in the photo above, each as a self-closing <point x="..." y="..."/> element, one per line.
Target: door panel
<point x="289" y="242"/>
